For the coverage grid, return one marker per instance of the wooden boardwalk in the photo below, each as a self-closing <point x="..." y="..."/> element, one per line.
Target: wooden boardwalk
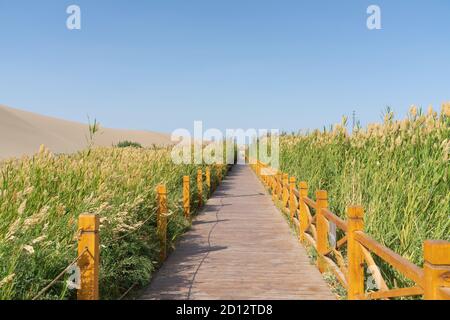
<point x="240" y="247"/>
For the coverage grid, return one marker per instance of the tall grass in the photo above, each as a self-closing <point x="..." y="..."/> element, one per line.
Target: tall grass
<point x="397" y="170"/>
<point x="41" y="198"/>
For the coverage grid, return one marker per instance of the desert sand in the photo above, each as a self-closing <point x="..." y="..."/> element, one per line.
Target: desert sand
<point x="22" y="133"/>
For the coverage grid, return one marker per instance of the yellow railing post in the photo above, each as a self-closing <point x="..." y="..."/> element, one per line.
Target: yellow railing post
<point x="200" y="187"/>
<point x="436" y="268"/>
<point x="292" y="206"/>
<point x="355" y="217"/>
<point x="266" y="176"/>
<point x="261" y="168"/>
<point x="279" y="191"/>
<point x="274" y="187"/>
<point x="89" y="250"/>
<point x="187" y="197"/>
<point x="261" y="171"/>
<point x="208" y="179"/>
<point x="285" y="192"/>
<point x="219" y="173"/>
<point x="304" y="219"/>
<point x="322" y="228"/>
<point x="162" y="221"/>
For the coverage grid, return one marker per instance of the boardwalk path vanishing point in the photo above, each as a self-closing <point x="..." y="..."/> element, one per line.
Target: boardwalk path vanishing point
<point x="239" y="247"/>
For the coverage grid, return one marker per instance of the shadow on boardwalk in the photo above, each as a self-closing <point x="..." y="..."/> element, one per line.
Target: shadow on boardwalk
<point x="239" y="247"/>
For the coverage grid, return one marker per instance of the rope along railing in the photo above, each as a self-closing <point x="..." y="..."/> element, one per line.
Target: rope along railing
<point x="88" y="259"/>
<point x="320" y="231"/>
<point x="58" y="277"/>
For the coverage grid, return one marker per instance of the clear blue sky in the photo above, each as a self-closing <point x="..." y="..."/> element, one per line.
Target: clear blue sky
<point x="161" y="64"/>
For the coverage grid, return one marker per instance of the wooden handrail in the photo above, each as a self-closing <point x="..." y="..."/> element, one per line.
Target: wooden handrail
<point x="341" y="224"/>
<point x="341" y="242"/>
<point x="431" y="281"/>
<point x="374" y="270"/>
<point x="89" y="241"/>
<point x="310" y="202"/>
<point x="394" y="293"/>
<point x="404" y="266"/>
<point x="336" y="271"/>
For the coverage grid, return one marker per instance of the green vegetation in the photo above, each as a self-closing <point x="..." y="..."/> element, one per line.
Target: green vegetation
<point x="40" y="201"/>
<point x="126" y="144"/>
<point x="398" y="170"/>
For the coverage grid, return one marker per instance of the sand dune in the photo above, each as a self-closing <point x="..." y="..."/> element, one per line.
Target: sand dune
<point x="22" y="132"/>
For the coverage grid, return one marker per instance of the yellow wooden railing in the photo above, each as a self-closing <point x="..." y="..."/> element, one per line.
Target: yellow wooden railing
<point x="88" y="259"/>
<point x="432" y="280"/>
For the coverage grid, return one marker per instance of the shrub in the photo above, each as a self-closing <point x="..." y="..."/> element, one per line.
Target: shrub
<point x="126" y="144"/>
